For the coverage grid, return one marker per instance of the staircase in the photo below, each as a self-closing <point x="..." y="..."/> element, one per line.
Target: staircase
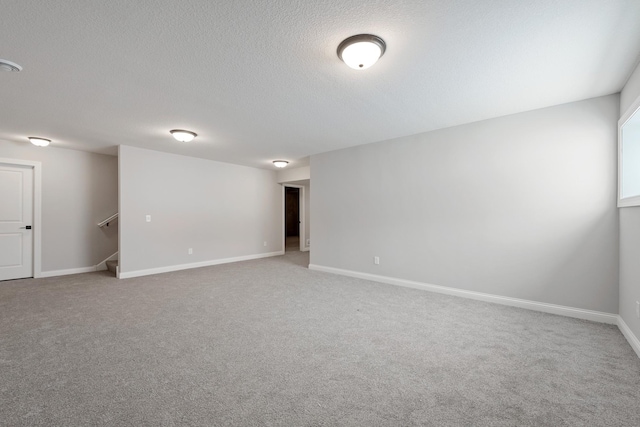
<point x="112" y="266"/>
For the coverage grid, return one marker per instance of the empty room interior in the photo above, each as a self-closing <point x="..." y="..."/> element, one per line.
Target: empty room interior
<point x="346" y="213"/>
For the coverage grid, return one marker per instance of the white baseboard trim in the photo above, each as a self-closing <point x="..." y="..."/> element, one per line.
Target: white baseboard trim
<point x="98" y="267"/>
<point x="55" y="273"/>
<point x="304" y="250"/>
<point x="102" y="265"/>
<point x="579" y="313"/>
<point x="170" y="268"/>
<point x="628" y="334"/>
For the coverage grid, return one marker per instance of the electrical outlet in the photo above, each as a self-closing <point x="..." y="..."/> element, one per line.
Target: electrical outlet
<point x="148" y="218"/>
<point x="190" y="251"/>
<point x="264" y="244"/>
<point x="376" y="260"/>
<point x="638" y="309"/>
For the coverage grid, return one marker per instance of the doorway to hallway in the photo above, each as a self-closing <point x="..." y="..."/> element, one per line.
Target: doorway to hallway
<point x="292" y="218"/>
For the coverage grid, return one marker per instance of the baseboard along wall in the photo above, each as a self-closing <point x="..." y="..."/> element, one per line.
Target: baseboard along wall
<point x="595" y="316"/>
<point x="101" y="266"/>
<point x="628" y="334"/>
<point x="178" y="267"/>
<point x="98" y="267"/>
<point x="578" y="313"/>
<point x="54" y="273"/>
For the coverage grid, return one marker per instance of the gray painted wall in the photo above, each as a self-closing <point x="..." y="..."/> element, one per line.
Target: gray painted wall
<point x="630" y="232"/>
<point x="521" y="206"/>
<point x="218" y="209"/>
<point x="631" y="91"/>
<point x="79" y="189"/>
<point x="294" y="175"/>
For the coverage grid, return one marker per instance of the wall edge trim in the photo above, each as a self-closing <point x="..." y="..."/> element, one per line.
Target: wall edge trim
<point x="634" y="342"/>
<point x="578" y="313"/>
<point x="68" y="271"/>
<point x="178" y="267"/>
<point x="102" y="265"/>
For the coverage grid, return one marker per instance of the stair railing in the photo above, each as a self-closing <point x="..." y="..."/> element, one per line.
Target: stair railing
<point x="108" y="220"/>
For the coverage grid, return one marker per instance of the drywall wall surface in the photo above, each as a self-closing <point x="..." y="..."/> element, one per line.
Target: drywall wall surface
<point x="79" y="189"/>
<point x="219" y="210"/>
<point x="297" y="174"/>
<point x="630" y="233"/>
<point x="630" y="91"/>
<point x="520" y="206"/>
<point x="630" y="267"/>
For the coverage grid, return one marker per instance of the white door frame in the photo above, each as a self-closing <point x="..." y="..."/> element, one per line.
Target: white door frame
<point x="301" y="224"/>
<point x="37" y="210"/>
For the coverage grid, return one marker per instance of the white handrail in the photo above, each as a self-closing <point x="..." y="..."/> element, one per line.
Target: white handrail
<point x="108" y="220"/>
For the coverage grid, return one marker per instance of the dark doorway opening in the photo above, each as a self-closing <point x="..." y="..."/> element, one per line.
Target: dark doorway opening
<point x="292" y="218"/>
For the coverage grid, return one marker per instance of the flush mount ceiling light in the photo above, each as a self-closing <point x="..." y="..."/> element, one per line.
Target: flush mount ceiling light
<point x="362" y="51"/>
<point x="280" y="163"/>
<point x="183" y="135"/>
<point x="40" y="142"/>
<point x="9" y="66"/>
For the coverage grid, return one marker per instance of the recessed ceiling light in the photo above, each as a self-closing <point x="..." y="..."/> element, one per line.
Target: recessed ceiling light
<point x="9" y="66"/>
<point x="280" y="163"/>
<point x="40" y="142"/>
<point x="362" y="51"/>
<point x="183" y="135"/>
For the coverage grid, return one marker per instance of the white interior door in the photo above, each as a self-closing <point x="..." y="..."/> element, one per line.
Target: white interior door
<point x="16" y="221"/>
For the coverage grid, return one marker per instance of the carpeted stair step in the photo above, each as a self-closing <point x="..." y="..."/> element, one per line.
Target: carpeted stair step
<point x="112" y="266"/>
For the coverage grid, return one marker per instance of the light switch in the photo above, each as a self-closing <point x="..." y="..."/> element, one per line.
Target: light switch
<point x="148" y="218"/>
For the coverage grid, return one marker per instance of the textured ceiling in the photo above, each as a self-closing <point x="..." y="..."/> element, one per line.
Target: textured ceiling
<point x="260" y="80"/>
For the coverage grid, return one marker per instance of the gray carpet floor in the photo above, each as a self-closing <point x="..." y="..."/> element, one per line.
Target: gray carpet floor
<point x="270" y="343"/>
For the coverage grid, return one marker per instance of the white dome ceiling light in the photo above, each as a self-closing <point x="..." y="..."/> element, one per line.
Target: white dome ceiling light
<point x="9" y="66"/>
<point x="183" y="135"/>
<point x="362" y="51"/>
<point x="39" y="142"/>
<point x="280" y="163"/>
